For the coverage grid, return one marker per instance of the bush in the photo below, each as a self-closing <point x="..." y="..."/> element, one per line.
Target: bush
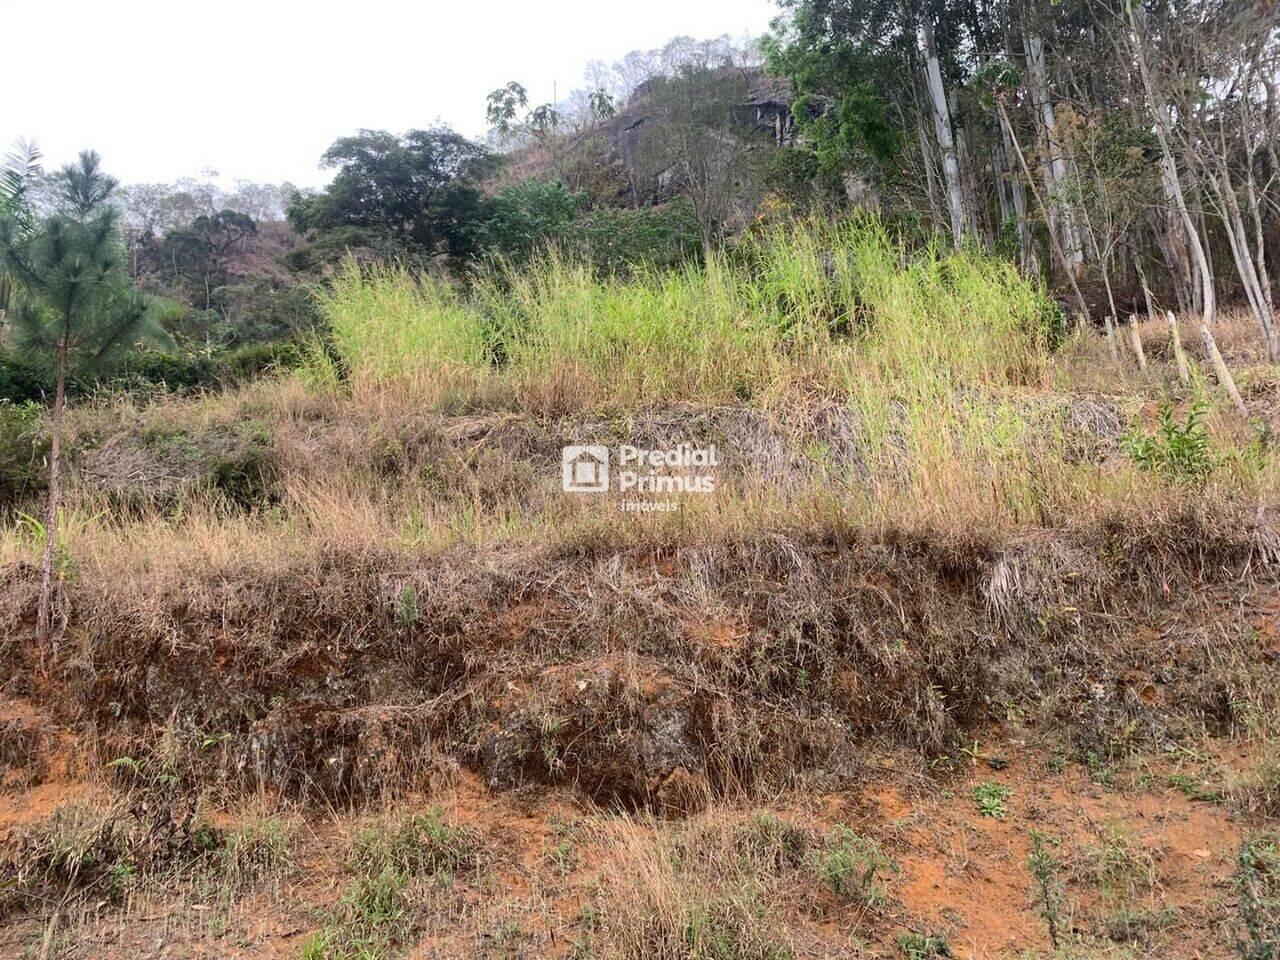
<point x="1257" y="883"/>
<point x="1176" y="451"/>
<point x="851" y="866"/>
<point x="23" y="445"/>
<point x="23" y="380"/>
<point x="525" y="218"/>
<point x="616" y="241"/>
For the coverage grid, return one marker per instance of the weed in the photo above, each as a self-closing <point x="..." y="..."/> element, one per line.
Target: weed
<point x="923" y="946"/>
<point x="23" y="445"/>
<point x="715" y="931"/>
<point x="1044" y="867"/>
<point x="255" y="852"/>
<point x="407" y="607"/>
<point x="418" y="844"/>
<point x="1124" y="874"/>
<point x="563" y="854"/>
<point x="80" y="847"/>
<point x="992" y="799"/>
<point x="1258" y="791"/>
<point x="1176" y="451"/>
<point x="1100" y="769"/>
<point x="851" y="867"/>
<point x="775" y="843"/>
<point x="1257" y="883"/>
<point x="1195" y="788"/>
<point x="376" y="912"/>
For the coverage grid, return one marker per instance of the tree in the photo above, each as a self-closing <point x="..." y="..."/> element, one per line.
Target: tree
<point x="694" y="143"/>
<point x="868" y="74"/>
<point x="528" y="216"/>
<point x="410" y="195"/>
<point x="21" y="166"/>
<point x="198" y="253"/>
<point x="504" y="105"/>
<point x="76" y="308"/>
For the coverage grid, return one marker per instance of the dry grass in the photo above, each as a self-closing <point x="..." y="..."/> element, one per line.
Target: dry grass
<point x="926" y="520"/>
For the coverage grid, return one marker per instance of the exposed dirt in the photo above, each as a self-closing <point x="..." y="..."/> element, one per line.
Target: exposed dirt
<point x="955" y="873"/>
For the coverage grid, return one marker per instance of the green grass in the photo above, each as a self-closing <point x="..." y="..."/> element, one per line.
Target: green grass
<point x="388" y="862"/>
<point x="852" y="867"/>
<point x="816" y="299"/>
<point x="387" y="324"/>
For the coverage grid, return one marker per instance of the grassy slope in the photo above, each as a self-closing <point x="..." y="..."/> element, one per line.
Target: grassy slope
<point x="345" y="588"/>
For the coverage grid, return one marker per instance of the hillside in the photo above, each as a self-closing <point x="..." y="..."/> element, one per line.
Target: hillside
<point x="971" y="648"/>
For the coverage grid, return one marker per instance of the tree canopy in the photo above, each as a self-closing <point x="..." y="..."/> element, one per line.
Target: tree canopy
<point x="414" y="194"/>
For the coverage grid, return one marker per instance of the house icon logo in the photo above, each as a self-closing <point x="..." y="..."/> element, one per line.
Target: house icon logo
<point x="584" y="469"/>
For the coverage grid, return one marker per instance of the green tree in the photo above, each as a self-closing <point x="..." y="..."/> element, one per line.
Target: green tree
<point x="75" y="308"/>
<point x="20" y="166"/>
<point x="413" y="195"/>
<point x="198" y="253"/>
<point x="504" y="105"/>
<point x="528" y="216"/>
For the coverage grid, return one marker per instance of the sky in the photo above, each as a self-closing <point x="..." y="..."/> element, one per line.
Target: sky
<point x="258" y="90"/>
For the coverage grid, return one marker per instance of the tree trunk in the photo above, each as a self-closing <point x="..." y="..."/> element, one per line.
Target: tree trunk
<point x="1111" y="338"/>
<point x="1057" y="169"/>
<point x="1135" y="337"/>
<point x="51" y="515"/>
<point x="1179" y="355"/>
<point x="1053" y="238"/>
<point x="930" y="174"/>
<point x="1170" y="172"/>
<point x="1026" y="242"/>
<point x="1242" y="253"/>
<point x="1222" y="370"/>
<point x="942" y="128"/>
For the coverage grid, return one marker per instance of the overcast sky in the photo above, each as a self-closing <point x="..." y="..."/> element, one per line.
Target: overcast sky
<point x="257" y="89"/>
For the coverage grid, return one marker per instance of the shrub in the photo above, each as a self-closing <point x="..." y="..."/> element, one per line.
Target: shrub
<point x="1257" y="883"/>
<point x="375" y="913"/>
<point x="617" y="242"/>
<point x="527" y="217"/>
<point x="1176" y="451"/>
<point x="851" y="866"/>
<point x="23" y="380"/>
<point x="24" y="442"/>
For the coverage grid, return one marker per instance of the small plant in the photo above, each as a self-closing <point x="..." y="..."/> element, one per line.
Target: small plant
<point x="1100" y="771"/>
<point x="255" y="852"/>
<point x="851" y="866"/>
<point x="923" y="946"/>
<point x="1194" y="788"/>
<point x="1048" y="890"/>
<point x="24" y="443"/>
<point x="77" y="848"/>
<point x="1176" y="451"/>
<point x="420" y="844"/>
<point x="376" y="912"/>
<point x="1125" y="875"/>
<point x="775" y="842"/>
<point x="1258" y="791"/>
<point x="407" y="607"/>
<point x="1257" y="883"/>
<point x="563" y="855"/>
<point x="992" y="799"/>
<point x="724" y="930"/>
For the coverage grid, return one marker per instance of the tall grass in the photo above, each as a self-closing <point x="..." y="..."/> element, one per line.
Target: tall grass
<point x="891" y="386"/>
<point x="945" y="359"/>
<point x="387" y="324"/>
<point x="835" y="303"/>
